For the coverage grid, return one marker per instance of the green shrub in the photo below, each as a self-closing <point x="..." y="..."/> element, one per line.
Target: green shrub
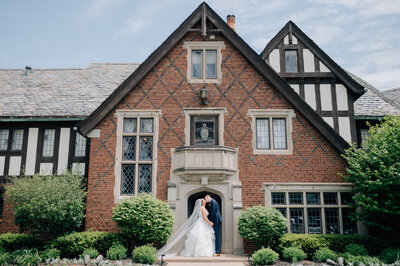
<point x="117" y="252"/>
<point x="144" y="218"/>
<point x="47" y="205"/>
<point x="359" y="260"/>
<point x="5" y="258"/>
<point x="264" y="256"/>
<point x="73" y="245"/>
<point x="92" y="252"/>
<point x="311" y="243"/>
<point x="390" y="255"/>
<point x="51" y="253"/>
<point x="11" y="242"/>
<point x="356" y="250"/>
<point x="146" y="254"/>
<point x="323" y="254"/>
<point x="294" y="254"/>
<point x="28" y="257"/>
<point x="262" y="225"/>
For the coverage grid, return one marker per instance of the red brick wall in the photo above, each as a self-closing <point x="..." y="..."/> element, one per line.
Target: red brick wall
<point x="242" y="88"/>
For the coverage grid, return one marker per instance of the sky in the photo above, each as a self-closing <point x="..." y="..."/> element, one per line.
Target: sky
<point x="362" y="36"/>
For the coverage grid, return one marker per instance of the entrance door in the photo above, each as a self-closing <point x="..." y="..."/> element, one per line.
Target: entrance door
<point x="192" y="200"/>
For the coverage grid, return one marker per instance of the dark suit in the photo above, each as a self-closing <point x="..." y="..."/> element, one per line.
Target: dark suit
<point x="216" y="218"/>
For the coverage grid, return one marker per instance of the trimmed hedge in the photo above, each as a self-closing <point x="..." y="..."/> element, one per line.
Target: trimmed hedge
<point x="73" y="245"/>
<point x="311" y="243"/>
<point x="11" y="242"/>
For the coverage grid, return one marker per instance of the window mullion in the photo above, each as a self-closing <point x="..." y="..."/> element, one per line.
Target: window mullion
<point x="271" y="137"/>
<point x="204" y="64"/>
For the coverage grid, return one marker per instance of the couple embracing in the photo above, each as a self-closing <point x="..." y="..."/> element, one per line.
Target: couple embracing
<point x="200" y="235"/>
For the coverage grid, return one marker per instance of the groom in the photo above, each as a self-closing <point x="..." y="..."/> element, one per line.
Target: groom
<point x="216" y="219"/>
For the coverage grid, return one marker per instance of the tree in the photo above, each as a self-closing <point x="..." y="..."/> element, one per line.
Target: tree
<point x="262" y="225"/>
<point x="375" y="173"/>
<point x="144" y="219"/>
<point x="47" y="205"/>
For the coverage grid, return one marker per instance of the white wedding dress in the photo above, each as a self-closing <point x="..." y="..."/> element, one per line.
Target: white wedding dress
<point x="195" y="238"/>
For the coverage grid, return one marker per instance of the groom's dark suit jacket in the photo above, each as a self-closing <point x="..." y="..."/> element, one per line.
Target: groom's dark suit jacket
<point x="215" y="215"/>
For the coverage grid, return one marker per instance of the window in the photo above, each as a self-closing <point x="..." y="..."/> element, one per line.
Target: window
<point x="313" y="208"/>
<point x="80" y="145"/>
<point x="4" y="133"/>
<point x="291" y="61"/>
<point x="272" y="131"/>
<point x="48" y="142"/>
<point x="204" y="61"/>
<point x="364" y="135"/>
<point x="278" y="198"/>
<point x="204" y="130"/>
<point x="17" y="139"/>
<point x="137" y="138"/>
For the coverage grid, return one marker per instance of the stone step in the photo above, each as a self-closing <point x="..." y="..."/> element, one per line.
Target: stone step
<point x="224" y="259"/>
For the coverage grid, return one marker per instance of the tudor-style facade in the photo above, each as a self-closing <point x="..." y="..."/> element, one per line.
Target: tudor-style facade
<point x="206" y="114"/>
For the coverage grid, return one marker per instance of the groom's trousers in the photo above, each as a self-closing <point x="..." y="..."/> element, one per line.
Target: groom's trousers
<point x="217" y="232"/>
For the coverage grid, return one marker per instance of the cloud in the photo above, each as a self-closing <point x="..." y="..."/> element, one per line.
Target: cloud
<point x="99" y="8"/>
<point x="132" y="25"/>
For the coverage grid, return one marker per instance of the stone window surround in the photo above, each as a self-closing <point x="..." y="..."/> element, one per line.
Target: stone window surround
<point x="215" y="111"/>
<point x="288" y="114"/>
<point x="121" y="114"/>
<point x="268" y="188"/>
<point x="198" y="45"/>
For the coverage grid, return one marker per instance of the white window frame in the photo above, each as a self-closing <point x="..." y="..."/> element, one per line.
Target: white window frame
<point x="204" y="46"/>
<point x="217" y="111"/>
<point x="287" y="114"/>
<point x="121" y="115"/>
<point x="269" y="188"/>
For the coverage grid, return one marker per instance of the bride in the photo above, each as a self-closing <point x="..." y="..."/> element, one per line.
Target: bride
<point x="195" y="238"/>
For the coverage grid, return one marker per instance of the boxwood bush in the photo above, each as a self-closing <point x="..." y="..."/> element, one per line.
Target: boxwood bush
<point x="390" y="255"/>
<point x="356" y="250"/>
<point x="92" y="252"/>
<point x="11" y="242"/>
<point x="293" y="254"/>
<point x="323" y="254"/>
<point x="264" y="256"/>
<point x="144" y="219"/>
<point x="311" y="243"/>
<point x="73" y="245"/>
<point x="117" y="252"/>
<point x="361" y="260"/>
<point x="262" y="225"/>
<point x="146" y="254"/>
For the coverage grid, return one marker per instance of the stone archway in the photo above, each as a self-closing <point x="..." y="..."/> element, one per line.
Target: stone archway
<point x="192" y="200"/>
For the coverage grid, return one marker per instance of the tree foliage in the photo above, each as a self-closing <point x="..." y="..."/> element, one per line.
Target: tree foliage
<point x="47" y="205"/>
<point x="144" y="218"/>
<point x="375" y="172"/>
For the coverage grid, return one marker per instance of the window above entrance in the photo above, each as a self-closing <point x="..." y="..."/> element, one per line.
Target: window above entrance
<point x="204" y="61"/>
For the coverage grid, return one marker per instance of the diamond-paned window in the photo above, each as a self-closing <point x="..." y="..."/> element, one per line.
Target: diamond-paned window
<point x="263" y="133"/>
<point x="279" y="132"/>
<point x="4" y="134"/>
<point x="80" y="145"/>
<point x="271" y="131"/>
<point x="137" y="147"/>
<point x="197" y="64"/>
<point x="17" y="139"/>
<point x="211" y="64"/>
<point x="128" y="179"/>
<point x="48" y="142"/>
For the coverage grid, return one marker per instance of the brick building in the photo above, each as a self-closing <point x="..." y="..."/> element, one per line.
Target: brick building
<point x="202" y="114"/>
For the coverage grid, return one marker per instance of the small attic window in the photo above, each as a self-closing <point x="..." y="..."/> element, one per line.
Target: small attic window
<point x="291" y="61"/>
<point x="204" y="61"/>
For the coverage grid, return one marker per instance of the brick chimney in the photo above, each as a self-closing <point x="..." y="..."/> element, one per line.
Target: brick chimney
<point x="230" y="19"/>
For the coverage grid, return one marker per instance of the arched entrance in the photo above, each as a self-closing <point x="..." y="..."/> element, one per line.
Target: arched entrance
<point x="192" y="200"/>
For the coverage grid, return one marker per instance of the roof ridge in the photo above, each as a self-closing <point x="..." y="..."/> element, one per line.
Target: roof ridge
<point x="59" y="69"/>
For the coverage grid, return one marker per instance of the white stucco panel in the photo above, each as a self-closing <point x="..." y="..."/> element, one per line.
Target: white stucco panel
<point x="323" y="67"/>
<point x="295" y="87"/>
<point x="344" y="128"/>
<point x="31" y="151"/>
<point x="329" y="121"/>
<point x="309" y="95"/>
<point x="326" y="97"/>
<point x="15" y="166"/>
<point x="78" y="168"/>
<point x="274" y="60"/>
<point x="309" y="65"/>
<point x="46" y="168"/>
<point x="63" y="151"/>
<point x="341" y="96"/>
<point x="286" y="39"/>
<point x="2" y="162"/>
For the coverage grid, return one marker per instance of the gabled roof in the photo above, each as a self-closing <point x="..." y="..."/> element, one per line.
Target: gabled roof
<point x="393" y="96"/>
<point x="201" y="14"/>
<point x="58" y="93"/>
<point x="290" y="27"/>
